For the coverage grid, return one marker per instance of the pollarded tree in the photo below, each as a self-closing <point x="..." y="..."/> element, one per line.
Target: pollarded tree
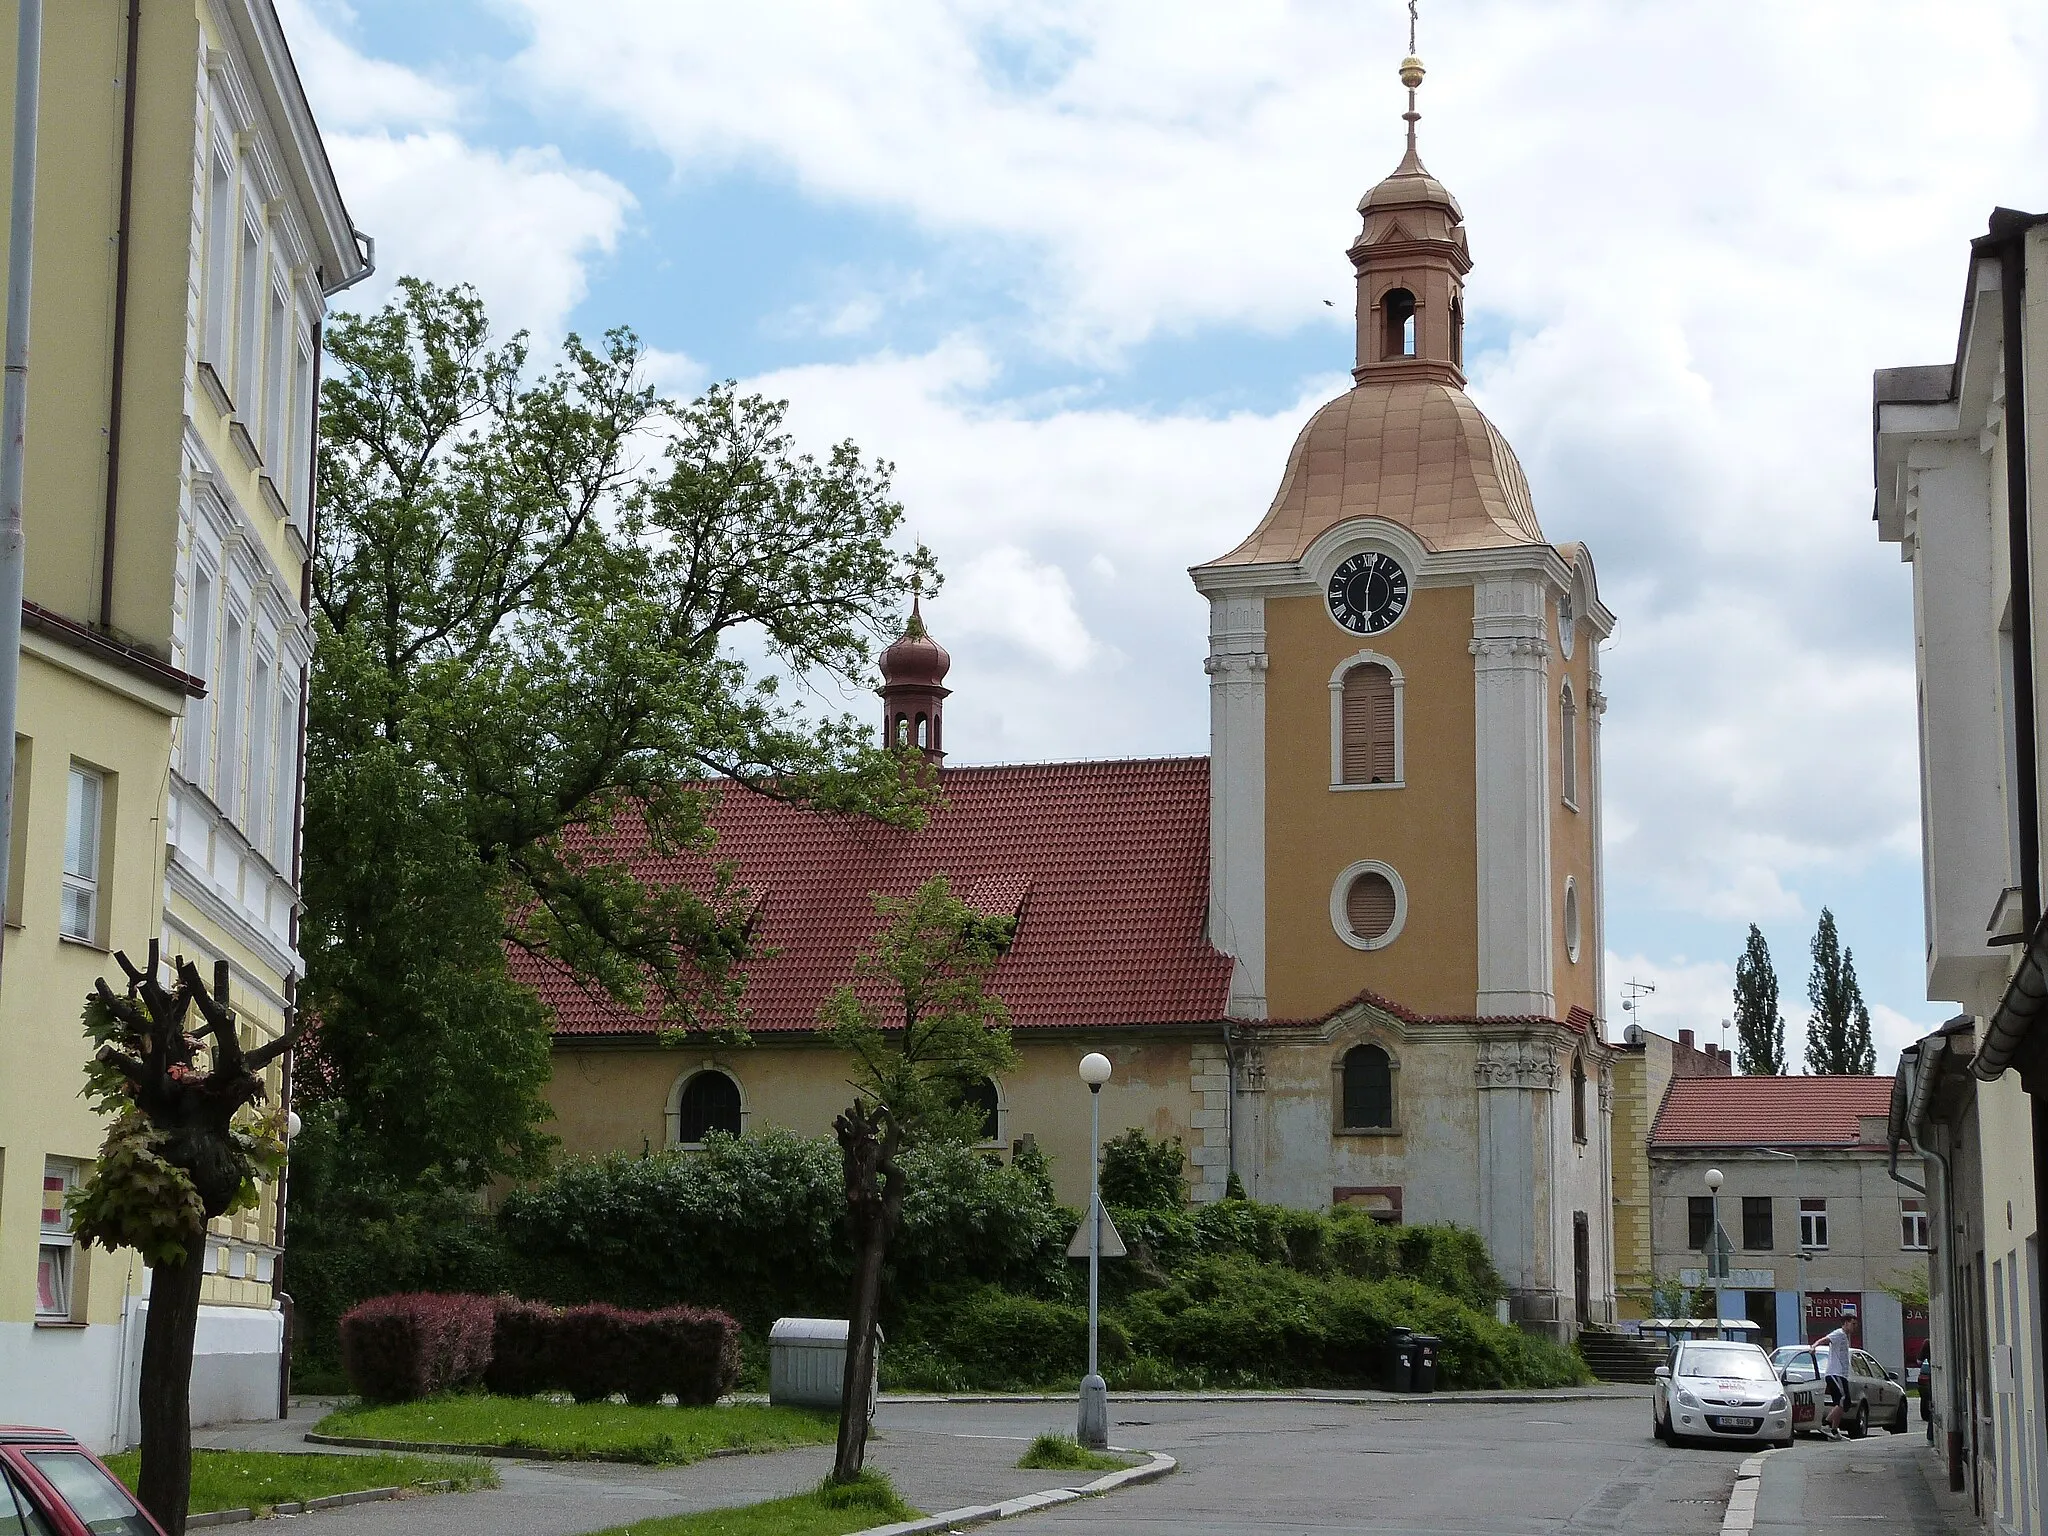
<point x="923" y="1030"/>
<point x="536" y="592"/>
<point x="181" y="1151"/>
<point x="1838" y="1033"/>
<point x="1759" y="1026"/>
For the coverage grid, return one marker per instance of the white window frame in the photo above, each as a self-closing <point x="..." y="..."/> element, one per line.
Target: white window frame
<point x="277" y="328"/>
<point x="298" y="495"/>
<point x="218" y="259"/>
<point x="1365" y="659"/>
<point x="201" y="597"/>
<point x="673" y="1115"/>
<point x="1568" y="753"/>
<point x="262" y="721"/>
<point x="1813" y="1224"/>
<point x="251" y="274"/>
<point x="58" y="1244"/>
<point x="1574" y="921"/>
<point x="1340" y="904"/>
<point x="228" y="729"/>
<point x="286" y="803"/>
<point x="1912" y="1226"/>
<point x="83" y="876"/>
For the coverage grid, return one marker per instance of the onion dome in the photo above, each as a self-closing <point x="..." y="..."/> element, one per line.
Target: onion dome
<point x="915" y="658"/>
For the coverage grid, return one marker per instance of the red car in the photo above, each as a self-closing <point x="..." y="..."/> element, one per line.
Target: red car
<point x="50" y="1485"/>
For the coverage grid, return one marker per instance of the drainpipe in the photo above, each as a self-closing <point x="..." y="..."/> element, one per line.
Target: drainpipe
<point x="1229" y="1104"/>
<point x="1923" y="1069"/>
<point x="120" y="348"/>
<point x="21" y="239"/>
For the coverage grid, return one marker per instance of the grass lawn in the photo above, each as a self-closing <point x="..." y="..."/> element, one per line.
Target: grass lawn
<point x="258" y="1479"/>
<point x="1063" y="1453"/>
<point x="824" y="1511"/>
<point x="655" y="1436"/>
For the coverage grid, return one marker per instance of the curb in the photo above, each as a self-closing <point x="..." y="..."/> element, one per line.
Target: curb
<point x="1741" y="1516"/>
<point x="1461" y="1399"/>
<point x="984" y="1514"/>
<point x="514" y="1453"/>
<point x="307" y="1506"/>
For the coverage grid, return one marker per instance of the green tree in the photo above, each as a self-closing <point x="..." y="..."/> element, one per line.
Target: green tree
<point x="1143" y="1173"/>
<point x="922" y="1029"/>
<point x="532" y="590"/>
<point x="1838" y="1033"/>
<point x="1759" y="1026"/>
<point x="184" y="1147"/>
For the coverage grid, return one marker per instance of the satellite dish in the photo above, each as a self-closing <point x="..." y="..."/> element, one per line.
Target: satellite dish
<point x="1633" y="1035"/>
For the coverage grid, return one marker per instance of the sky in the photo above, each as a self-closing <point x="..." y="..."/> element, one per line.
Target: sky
<point x="1066" y="265"/>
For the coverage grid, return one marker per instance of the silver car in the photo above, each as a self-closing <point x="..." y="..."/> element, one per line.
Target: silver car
<point x="1875" y="1394"/>
<point x="1714" y="1390"/>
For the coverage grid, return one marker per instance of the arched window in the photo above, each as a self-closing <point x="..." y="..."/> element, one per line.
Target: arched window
<point x="1368" y="1089"/>
<point x="1568" y="733"/>
<point x="924" y="731"/>
<point x="1458" y="331"/>
<point x="1369" y="725"/>
<point x="984" y="1099"/>
<point x="709" y="1101"/>
<point x="903" y="730"/>
<point x="1399" y="306"/>
<point x="1578" y="1098"/>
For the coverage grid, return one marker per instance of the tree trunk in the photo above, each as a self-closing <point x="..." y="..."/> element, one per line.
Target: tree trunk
<point x="860" y="1354"/>
<point x="166" y="1396"/>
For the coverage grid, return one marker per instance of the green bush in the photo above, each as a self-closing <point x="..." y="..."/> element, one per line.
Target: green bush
<point x="1142" y="1173"/>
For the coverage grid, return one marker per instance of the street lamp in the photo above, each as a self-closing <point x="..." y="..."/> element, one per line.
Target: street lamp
<point x="1093" y="1428"/>
<point x="1714" y="1244"/>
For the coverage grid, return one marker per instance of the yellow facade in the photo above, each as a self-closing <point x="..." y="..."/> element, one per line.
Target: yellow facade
<point x="163" y="582"/>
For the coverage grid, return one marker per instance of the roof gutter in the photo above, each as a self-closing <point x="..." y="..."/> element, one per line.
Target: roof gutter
<point x="1909" y="1083"/>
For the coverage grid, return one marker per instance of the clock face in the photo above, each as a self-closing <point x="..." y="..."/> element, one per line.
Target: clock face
<point x="1368" y="592"/>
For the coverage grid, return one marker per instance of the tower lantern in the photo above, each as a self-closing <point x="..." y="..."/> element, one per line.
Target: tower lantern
<point x="913" y="690"/>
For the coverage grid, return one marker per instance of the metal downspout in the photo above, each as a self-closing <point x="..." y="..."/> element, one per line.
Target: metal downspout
<point x="120" y="344"/>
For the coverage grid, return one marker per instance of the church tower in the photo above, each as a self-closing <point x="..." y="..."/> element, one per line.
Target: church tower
<point x="1405" y="801"/>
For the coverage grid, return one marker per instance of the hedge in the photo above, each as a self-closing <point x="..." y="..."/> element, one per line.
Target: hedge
<point x="396" y="1348"/>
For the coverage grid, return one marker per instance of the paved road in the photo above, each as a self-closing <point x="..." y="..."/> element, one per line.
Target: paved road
<point x="1247" y="1469"/>
<point x="1417" y="1470"/>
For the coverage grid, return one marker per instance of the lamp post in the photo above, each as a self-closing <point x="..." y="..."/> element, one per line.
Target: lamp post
<point x="1714" y="1243"/>
<point x="1093" y="1427"/>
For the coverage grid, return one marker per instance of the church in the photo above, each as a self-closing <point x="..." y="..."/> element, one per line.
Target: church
<point x="1352" y="956"/>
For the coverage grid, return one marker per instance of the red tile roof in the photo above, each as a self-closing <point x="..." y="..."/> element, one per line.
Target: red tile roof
<point x="1108" y="862"/>
<point x="1768" y="1111"/>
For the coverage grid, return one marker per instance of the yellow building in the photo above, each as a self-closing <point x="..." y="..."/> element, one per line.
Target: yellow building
<point x="1354" y="956"/>
<point x="1643" y="1069"/>
<point x="188" y="231"/>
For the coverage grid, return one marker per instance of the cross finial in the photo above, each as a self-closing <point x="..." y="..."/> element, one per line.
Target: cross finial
<point x="1411" y="76"/>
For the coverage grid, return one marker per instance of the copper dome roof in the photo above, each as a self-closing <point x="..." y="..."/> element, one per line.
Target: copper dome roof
<point x="1417" y="453"/>
<point x="914" y="657"/>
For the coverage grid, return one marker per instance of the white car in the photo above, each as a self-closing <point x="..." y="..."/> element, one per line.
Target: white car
<point x="1714" y="1390"/>
<point x="1876" y="1396"/>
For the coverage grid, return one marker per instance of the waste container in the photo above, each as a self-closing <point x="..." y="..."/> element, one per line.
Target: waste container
<point x="1400" y="1360"/>
<point x="807" y="1362"/>
<point x="1426" y="1346"/>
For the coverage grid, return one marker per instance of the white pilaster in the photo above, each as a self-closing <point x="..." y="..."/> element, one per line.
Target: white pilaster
<point x="1237" y="793"/>
<point x="1511" y="680"/>
<point x="1596" y="707"/>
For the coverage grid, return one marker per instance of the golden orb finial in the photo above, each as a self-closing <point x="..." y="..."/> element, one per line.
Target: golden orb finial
<point x="1411" y="72"/>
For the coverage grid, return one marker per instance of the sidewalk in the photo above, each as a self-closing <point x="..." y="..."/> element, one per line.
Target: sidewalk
<point x="1884" y="1482"/>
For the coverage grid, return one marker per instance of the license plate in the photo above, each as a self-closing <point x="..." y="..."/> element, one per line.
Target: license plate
<point x="1736" y="1426"/>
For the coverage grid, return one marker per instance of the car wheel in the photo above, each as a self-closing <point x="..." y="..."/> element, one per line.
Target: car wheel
<point x="1657" y="1429"/>
<point x="1860" y="1425"/>
<point x="1782" y="1445"/>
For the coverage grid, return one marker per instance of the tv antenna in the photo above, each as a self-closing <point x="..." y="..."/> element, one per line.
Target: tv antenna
<point x="1637" y="991"/>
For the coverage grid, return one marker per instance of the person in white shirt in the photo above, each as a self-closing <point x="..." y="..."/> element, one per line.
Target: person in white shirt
<point x="1834" y="1353"/>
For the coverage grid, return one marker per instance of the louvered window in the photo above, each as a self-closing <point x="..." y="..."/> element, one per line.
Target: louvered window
<point x="1369" y="905"/>
<point x="1568" y="723"/>
<point x="1369" y="725"/>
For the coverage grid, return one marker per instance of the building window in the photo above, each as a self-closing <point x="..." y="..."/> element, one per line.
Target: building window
<point x="987" y="1103"/>
<point x="220" y="262"/>
<point x="249" y="322"/>
<point x="1913" y="1225"/>
<point x="1699" y="1221"/>
<point x="1756" y="1223"/>
<point x="1399" y="306"/>
<point x="1813" y="1223"/>
<point x="1368" y="1089"/>
<point x="286" y="802"/>
<point x="261" y="719"/>
<point x="709" y="1101"/>
<point x="275" y="428"/>
<point x="1568" y="742"/>
<point x="57" y="1253"/>
<point x="83" y="812"/>
<point x="298" y="495"/>
<point x="199" y="661"/>
<point x="1369" y="725"/>
<point x="228" y="771"/>
<point x="1567" y="620"/>
<point x="1368" y="905"/>
<point x="1458" y="338"/>
<point x="1571" y="920"/>
<point x="1578" y="1100"/>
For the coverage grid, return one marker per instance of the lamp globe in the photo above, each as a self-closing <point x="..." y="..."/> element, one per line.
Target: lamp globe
<point x="1095" y="1069"/>
<point x="1714" y="1180"/>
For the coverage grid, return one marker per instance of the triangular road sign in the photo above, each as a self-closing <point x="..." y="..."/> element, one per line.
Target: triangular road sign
<point x="1112" y="1241"/>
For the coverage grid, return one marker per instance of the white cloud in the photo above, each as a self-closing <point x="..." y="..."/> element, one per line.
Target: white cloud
<point x="1685" y="994"/>
<point x="1003" y="594"/>
<point x="350" y="89"/>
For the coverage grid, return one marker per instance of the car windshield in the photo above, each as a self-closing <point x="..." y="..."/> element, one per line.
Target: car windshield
<point x="95" y="1498"/>
<point x="1741" y="1362"/>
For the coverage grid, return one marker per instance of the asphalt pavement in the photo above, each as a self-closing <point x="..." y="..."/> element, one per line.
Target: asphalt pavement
<point x="1882" y="1482"/>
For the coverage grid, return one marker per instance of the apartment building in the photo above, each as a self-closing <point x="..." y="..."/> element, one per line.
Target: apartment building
<point x="189" y="232"/>
<point x="1644" y="1066"/>
<point x="1960" y="451"/>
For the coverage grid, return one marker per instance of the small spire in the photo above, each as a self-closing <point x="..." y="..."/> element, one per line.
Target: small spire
<point x="1411" y="76"/>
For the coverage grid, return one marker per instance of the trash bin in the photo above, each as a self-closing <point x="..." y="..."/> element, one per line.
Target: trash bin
<point x="1400" y="1360"/>
<point x="1426" y="1346"/>
<point x="807" y="1362"/>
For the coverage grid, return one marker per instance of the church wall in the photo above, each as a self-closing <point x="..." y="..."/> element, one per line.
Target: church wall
<point x="1425" y="829"/>
<point x="615" y="1098"/>
<point x="1573" y="832"/>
